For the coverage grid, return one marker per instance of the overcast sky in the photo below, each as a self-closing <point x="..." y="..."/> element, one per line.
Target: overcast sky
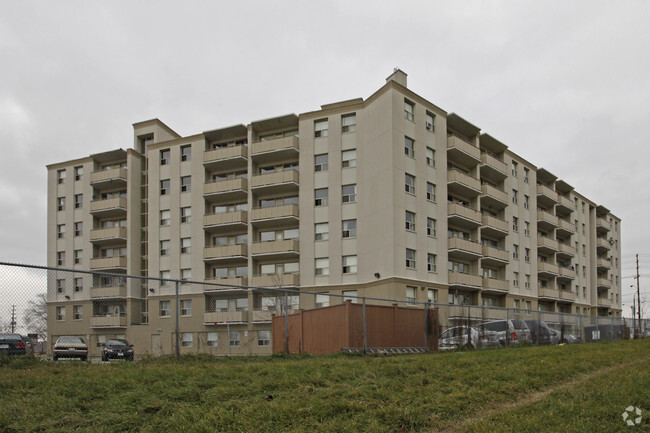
<point x="557" y="81"/>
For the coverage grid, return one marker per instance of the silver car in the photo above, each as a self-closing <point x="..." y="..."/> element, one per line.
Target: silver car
<point x="512" y="331"/>
<point x="467" y="336"/>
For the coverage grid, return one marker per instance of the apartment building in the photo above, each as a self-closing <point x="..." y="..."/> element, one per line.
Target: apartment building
<point x="387" y="197"/>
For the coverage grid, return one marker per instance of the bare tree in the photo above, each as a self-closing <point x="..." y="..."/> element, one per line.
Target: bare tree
<point x="36" y="316"/>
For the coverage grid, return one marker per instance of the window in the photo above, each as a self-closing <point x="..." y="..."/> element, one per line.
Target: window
<point x="323" y="266"/>
<point x="60" y="176"/>
<point x="164" y="187"/>
<point x="322" y="231"/>
<point x="349" y="264"/>
<point x="165" y="308"/>
<point x="516" y="304"/>
<point x="431" y="227"/>
<point x="514" y="168"/>
<point x="165" y="276"/>
<point x="322" y="300"/>
<point x="410" y="295"/>
<point x="60" y="258"/>
<point x="60" y="231"/>
<point x="60" y="313"/>
<point x="431" y="262"/>
<point x="164" y="248"/>
<point x="349" y="228"/>
<point x="527" y="306"/>
<point x="584" y="250"/>
<point x="78" y="228"/>
<point x="514" y="196"/>
<point x="515" y="224"/>
<point x="186" y="307"/>
<point x="410" y="258"/>
<point x="165" y="217"/>
<point x="213" y="339"/>
<point x="349" y="123"/>
<point x="60" y="286"/>
<point x="410" y="221"/>
<point x="77" y="312"/>
<point x="526" y="228"/>
<point x="350" y="295"/>
<point x="78" y="201"/>
<point x="263" y="338"/>
<point x="526" y="202"/>
<point x="186" y="183"/>
<point x="349" y="193"/>
<point x="164" y="157"/>
<point x="584" y="271"/>
<point x="526" y="175"/>
<point x="186" y="153"/>
<point x="515" y="279"/>
<point x="320" y="197"/>
<point x="186" y="339"/>
<point x="429" y="121"/>
<point x="583" y="229"/>
<point x="409" y="183"/>
<point x="515" y="251"/>
<point x="527" y="255"/>
<point x="527" y="281"/>
<point x="320" y="128"/>
<point x="78" y="256"/>
<point x="186" y="215"/>
<point x="78" y="172"/>
<point x="235" y="337"/>
<point x="584" y="292"/>
<point x="409" y="147"/>
<point x="409" y="108"/>
<point x="431" y="162"/>
<point x="320" y="162"/>
<point x="432" y="296"/>
<point x="186" y="245"/>
<point x="349" y="158"/>
<point x="431" y="192"/>
<point x="186" y="274"/>
<point x="60" y="203"/>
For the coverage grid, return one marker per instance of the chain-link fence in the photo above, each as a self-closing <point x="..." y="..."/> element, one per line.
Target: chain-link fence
<point x="226" y="317"/>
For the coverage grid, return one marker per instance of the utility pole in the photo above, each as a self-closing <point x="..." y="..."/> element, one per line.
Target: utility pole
<point x="638" y="292"/>
<point x="13" y="318"/>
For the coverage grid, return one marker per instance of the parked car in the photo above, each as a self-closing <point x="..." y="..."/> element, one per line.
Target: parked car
<point x="70" y="347"/>
<point x="467" y="336"/>
<point x="540" y="333"/>
<point x="512" y="331"/>
<point x="12" y="344"/>
<point x="117" y="349"/>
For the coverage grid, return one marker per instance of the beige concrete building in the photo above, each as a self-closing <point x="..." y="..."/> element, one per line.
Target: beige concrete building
<point x="390" y="196"/>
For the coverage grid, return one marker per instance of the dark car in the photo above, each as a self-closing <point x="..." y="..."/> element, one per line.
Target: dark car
<point x="12" y="344"/>
<point x="540" y="333"/>
<point x="117" y="349"/>
<point x="70" y="347"/>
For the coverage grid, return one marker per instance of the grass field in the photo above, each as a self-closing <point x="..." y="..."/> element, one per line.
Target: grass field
<point x="578" y="388"/>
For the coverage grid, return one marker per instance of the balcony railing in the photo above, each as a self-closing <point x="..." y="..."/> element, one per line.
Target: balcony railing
<point x="545" y="191"/>
<point x="225" y="317"/>
<point x="282" y="280"/>
<point x="565" y="202"/>
<point x="455" y="142"/>
<point x="494" y="163"/>
<point x="275" y="247"/>
<point x="108" y="234"/>
<point x="495" y="193"/>
<point x="282" y="143"/>
<point x="603" y="243"/>
<point x="268" y="213"/>
<point x="567" y="272"/>
<point x="225" y="218"/>
<point x="496" y="253"/>
<point x="108" y="263"/>
<point x="225" y="153"/>
<point x="113" y="176"/>
<point x="603" y="263"/>
<point x="461" y="279"/>
<point x="544" y="242"/>
<point x="465" y="245"/>
<point x="225" y="251"/>
<point x="455" y="209"/>
<point x="603" y="282"/>
<point x="543" y="216"/>
<point x="566" y="249"/>
<point x="547" y="292"/>
<point x="495" y="284"/>
<point x="549" y="268"/>
<point x="495" y="223"/>
<point x="469" y="182"/>
<point x="108" y="321"/>
<point x="280" y="177"/>
<point x="224" y="186"/>
<point x="604" y="302"/>
<point x="602" y="224"/>
<point x="567" y="296"/>
<point x="109" y="205"/>
<point x="223" y="282"/>
<point x="108" y="292"/>
<point x="566" y="226"/>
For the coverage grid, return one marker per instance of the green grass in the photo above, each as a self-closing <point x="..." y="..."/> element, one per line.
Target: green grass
<point x="334" y="393"/>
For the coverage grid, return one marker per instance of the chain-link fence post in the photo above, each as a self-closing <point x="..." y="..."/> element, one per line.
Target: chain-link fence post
<point x="426" y="327"/>
<point x="507" y="325"/>
<point x="176" y="328"/>
<point x="365" y="328"/>
<point x="286" y="322"/>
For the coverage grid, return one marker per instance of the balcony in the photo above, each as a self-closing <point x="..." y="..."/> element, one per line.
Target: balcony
<point x="492" y="197"/>
<point x="493" y="168"/>
<point x="262" y="315"/>
<point x="462" y="183"/>
<point x="546" y="196"/>
<point x="462" y="151"/>
<point x="604" y="302"/>
<point x="602" y="226"/>
<point x="462" y="216"/>
<point x="230" y="219"/>
<point x="494" y="227"/>
<point x="545" y="220"/>
<point x="283" y="280"/>
<point x="495" y="284"/>
<point x="275" y="215"/>
<point x="118" y="291"/>
<point x="604" y="283"/>
<point x="279" y="249"/>
<point x="277" y="149"/>
<point x="565" y="205"/>
<point x="465" y="280"/>
<point x="464" y="248"/>
<point x="567" y="272"/>
<point x="567" y="296"/>
<point x="108" y="263"/>
<point x="548" y="268"/>
<point x="108" y="321"/>
<point x="231" y="157"/>
<point x="546" y="292"/>
<point x="493" y="255"/>
<point x="547" y="245"/>
<point x="108" y="236"/>
<point x="225" y="252"/>
<point x="224" y="317"/>
<point x="603" y="244"/>
<point x="565" y="228"/>
<point x="108" y="207"/>
<point x="280" y="182"/>
<point x="230" y="189"/>
<point x="224" y="283"/>
<point x="108" y="179"/>
<point x="565" y="250"/>
<point x="603" y="263"/>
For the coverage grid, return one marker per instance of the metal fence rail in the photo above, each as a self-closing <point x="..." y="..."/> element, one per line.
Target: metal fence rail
<point x="224" y="317"/>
